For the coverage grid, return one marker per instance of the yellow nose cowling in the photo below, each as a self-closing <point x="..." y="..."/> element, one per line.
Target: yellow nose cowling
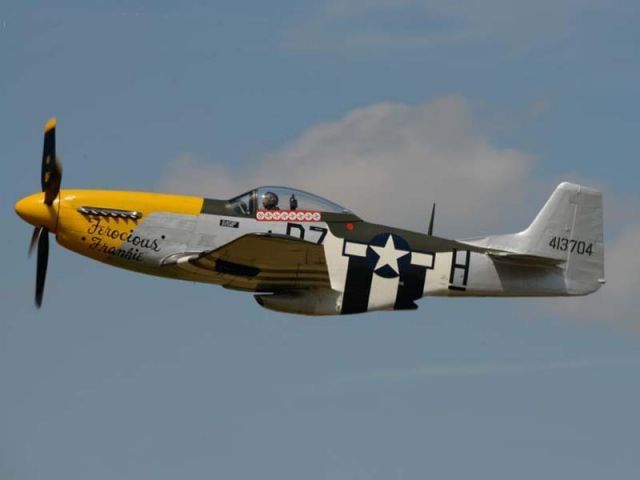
<point x="33" y="210"/>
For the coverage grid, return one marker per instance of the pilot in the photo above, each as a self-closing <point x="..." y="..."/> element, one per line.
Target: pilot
<point x="270" y="201"/>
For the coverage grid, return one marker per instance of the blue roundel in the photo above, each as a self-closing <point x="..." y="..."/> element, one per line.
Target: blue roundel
<point x="388" y="255"/>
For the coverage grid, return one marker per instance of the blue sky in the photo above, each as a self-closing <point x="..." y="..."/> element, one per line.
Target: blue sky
<point x="483" y="109"/>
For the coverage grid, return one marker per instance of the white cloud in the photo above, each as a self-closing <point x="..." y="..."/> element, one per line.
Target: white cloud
<point x="388" y="162"/>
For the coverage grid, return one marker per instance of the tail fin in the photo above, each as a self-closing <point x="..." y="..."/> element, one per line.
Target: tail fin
<point x="567" y="231"/>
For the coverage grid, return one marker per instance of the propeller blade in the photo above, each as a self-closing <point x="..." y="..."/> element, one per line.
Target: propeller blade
<point x="53" y="187"/>
<point x="51" y="175"/>
<point x="43" y="258"/>
<point x="34" y="239"/>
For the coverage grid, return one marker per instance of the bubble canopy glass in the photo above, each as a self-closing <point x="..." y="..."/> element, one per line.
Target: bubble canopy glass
<point x="282" y="198"/>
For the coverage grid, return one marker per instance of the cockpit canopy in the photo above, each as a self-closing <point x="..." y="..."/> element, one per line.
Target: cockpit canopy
<point x="281" y="198"/>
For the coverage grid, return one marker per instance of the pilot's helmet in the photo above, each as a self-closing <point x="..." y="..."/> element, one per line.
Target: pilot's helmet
<point x="269" y="201"/>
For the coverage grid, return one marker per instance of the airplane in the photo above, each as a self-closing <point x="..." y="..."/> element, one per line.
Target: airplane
<point x="300" y="253"/>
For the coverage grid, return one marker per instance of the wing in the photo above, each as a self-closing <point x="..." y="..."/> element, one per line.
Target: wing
<point x="260" y="262"/>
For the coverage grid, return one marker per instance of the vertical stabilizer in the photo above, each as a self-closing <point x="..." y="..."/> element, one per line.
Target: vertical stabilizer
<point x="568" y="231"/>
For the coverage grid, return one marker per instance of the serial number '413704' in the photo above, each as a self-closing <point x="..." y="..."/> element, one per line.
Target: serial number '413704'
<point x="578" y="246"/>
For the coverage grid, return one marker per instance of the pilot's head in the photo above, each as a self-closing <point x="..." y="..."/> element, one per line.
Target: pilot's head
<point x="270" y="201"/>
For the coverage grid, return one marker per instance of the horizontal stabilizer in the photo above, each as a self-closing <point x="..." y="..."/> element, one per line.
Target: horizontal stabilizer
<point x="523" y="259"/>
